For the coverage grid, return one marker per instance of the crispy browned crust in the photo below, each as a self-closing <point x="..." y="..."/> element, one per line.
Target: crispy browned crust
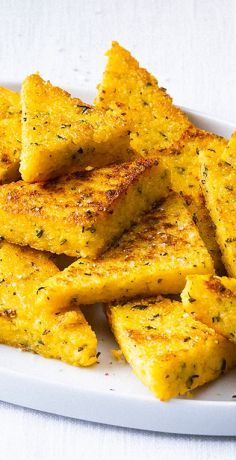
<point x="215" y="285"/>
<point x="10" y="135"/>
<point x="80" y="197"/>
<point x="168" y="349"/>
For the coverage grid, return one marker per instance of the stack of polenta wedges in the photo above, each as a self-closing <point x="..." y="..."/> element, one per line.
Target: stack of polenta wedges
<point x="144" y="202"/>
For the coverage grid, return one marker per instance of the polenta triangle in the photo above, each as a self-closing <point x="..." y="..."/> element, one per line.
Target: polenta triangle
<point x="66" y="335"/>
<point x="170" y="351"/>
<point x="10" y="135"/>
<point x="155" y="122"/>
<point x="218" y="178"/>
<point x="159" y="128"/>
<point x="229" y="153"/>
<point x="153" y="257"/>
<point x="62" y="134"/>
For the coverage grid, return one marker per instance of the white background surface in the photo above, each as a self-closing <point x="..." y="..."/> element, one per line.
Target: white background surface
<point x="190" y="46"/>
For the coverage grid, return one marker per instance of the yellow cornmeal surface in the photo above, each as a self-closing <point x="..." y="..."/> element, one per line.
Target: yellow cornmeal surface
<point x="65" y="335"/>
<point x="10" y="135"/>
<point x="183" y="163"/>
<point x="212" y="300"/>
<point x="229" y="153"/>
<point x="62" y="134"/>
<point x="154" y="121"/>
<point x="219" y="185"/>
<point x="154" y="257"/>
<point x="169" y="350"/>
<point x="159" y="128"/>
<point x="80" y="214"/>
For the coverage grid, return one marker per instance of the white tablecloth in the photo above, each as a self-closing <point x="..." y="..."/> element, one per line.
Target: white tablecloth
<point x="190" y="45"/>
<point x="29" y="435"/>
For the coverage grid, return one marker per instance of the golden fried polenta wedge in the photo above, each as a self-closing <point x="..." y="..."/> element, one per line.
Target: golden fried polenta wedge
<point x="80" y="214"/>
<point x="229" y="153"/>
<point x="66" y="335"/>
<point x="155" y="122"/>
<point x="169" y="350"/>
<point x="159" y="128"/>
<point x="183" y="163"/>
<point x="61" y="134"/>
<point x="10" y="135"/>
<point x="219" y="186"/>
<point x="212" y="300"/>
<point x="153" y="257"/>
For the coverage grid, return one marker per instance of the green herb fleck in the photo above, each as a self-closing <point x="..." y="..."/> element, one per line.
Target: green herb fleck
<point x="190" y="380"/>
<point x="91" y="229"/>
<point x="179" y="169"/>
<point x="163" y="135"/>
<point x="216" y="319"/>
<point x="191" y="299"/>
<point x="46" y="331"/>
<point x="205" y="174"/>
<point x="194" y="217"/>
<point x="84" y="108"/>
<point x="39" y="233"/>
<point x="139" y="307"/>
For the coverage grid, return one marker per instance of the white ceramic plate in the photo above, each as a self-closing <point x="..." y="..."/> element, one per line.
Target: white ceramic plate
<point x="109" y="392"/>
